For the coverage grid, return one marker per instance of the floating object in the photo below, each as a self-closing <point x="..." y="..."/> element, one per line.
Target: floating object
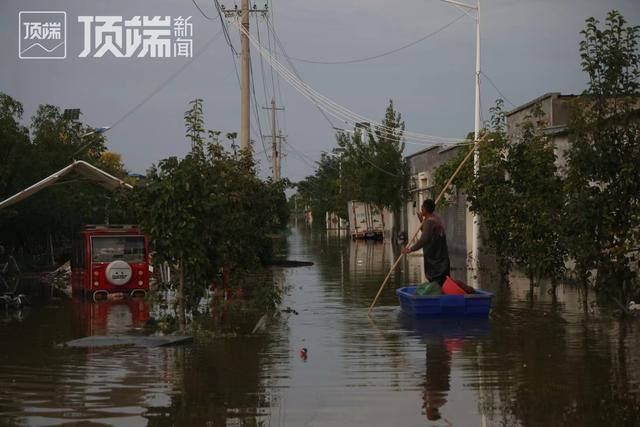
<point x="134" y="340"/>
<point x="477" y="304"/>
<point x="303" y="353"/>
<point x="290" y="263"/>
<point x="289" y="310"/>
<point x="261" y="325"/>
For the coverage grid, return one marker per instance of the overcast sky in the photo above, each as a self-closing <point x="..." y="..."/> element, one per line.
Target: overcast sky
<point x="529" y="47"/>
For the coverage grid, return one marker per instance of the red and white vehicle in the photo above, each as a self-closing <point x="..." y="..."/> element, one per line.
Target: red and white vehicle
<point x="110" y="259"/>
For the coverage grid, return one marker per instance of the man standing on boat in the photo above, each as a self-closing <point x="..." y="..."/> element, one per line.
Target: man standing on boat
<point x="433" y="243"/>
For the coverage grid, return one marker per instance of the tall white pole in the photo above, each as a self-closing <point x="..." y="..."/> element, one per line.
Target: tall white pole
<point x="475" y="228"/>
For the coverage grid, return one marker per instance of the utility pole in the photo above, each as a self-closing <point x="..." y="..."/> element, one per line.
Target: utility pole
<point x="245" y="97"/>
<point x="469" y="10"/>
<point x="245" y="100"/>
<point x="275" y="142"/>
<point x="281" y="138"/>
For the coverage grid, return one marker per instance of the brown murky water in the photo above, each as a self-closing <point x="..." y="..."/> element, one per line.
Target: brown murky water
<point x="537" y="361"/>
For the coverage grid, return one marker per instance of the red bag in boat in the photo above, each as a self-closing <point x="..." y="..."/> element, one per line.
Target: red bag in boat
<point x="466" y="288"/>
<point x="450" y="287"/>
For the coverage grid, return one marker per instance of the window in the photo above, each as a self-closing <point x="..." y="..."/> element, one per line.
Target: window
<point x="111" y="248"/>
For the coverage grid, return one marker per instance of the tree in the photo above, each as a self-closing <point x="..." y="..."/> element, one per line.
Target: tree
<point x="322" y="191"/>
<point x="210" y="210"/>
<point x="51" y="217"/>
<point x="517" y="196"/>
<point x="535" y="201"/>
<point x="373" y="166"/>
<point x="112" y="163"/>
<point x="370" y="168"/>
<point x="602" y="215"/>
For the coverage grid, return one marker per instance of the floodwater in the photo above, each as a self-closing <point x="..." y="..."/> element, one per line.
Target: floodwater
<point x="537" y="361"/>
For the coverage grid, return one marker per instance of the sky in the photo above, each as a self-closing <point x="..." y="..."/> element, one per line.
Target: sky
<point x="528" y="48"/>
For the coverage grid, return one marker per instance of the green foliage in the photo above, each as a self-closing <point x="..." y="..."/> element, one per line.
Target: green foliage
<point x="516" y="195"/>
<point x="210" y="210"/>
<point x="595" y="222"/>
<point x="322" y="191"/>
<point x="602" y="214"/>
<point x="373" y="167"/>
<point x="370" y="168"/>
<point x="533" y="193"/>
<point x="56" y="213"/>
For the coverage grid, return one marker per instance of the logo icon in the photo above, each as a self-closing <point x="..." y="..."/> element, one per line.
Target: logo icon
<point x="42" y="35"/>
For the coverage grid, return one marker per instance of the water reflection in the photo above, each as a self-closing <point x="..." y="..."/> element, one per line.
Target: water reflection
<point x="538" y="360"/>
<point x="444" y="340"/>
<point x="109" y="317"/>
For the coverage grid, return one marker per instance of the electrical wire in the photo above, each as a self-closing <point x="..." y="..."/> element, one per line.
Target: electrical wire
<point x="262" y="73"/>
<point x="382" y="131"/>
<point x="273" y="86"/>
<point x="224" y="27"/>
<point x="389" y="52"/>
<point x="302" y="157"/>
<point x="498" y="90"/>
<point x="334" y="109"/>
<point x="166" y="81"/>
<point x="201" y="11"/>
<point x="274" y="52"/>
<point x="293" y="68"/>
<point x="255" y="107"/>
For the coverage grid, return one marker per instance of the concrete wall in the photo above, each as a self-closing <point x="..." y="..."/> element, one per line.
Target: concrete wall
<point x="556" y="109"/>
<point x="454" y="214"/>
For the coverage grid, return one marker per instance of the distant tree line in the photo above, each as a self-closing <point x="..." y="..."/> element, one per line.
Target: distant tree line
<point x="368" y="165"/>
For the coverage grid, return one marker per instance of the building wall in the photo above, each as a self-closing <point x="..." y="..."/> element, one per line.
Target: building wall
<point x="556" y="109"/>
<point x="454" y="214"/>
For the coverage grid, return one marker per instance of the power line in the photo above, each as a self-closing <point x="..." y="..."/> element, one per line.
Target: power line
<point x="262" y="73"/>
<point x="380" y="55"/>
<point x="293" y="68"/>
<point x="224" y="27"/>
<point x="167" y="81"/>
<point x="201" y="11"/>
<point x="333" y="108"/>
<point x="274" y="51"/>
<point x="255" y="106"/>
<point x="273" y="86"/>
<point x="498" y="90"/>
<point x="301" y="156"/>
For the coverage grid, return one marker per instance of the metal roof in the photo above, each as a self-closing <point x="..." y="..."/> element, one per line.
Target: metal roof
<point x="86" y="170"/>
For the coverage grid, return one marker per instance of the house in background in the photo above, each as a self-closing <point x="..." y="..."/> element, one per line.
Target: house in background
<point x="455" y="214"/>
<point x="554" y="121"/>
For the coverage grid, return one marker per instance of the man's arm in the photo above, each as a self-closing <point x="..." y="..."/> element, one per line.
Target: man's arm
<point x="425" y="237"/>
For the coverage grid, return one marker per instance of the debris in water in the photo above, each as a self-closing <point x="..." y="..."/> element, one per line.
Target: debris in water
<point x="140" y="341"/>
<point x="290" y="263"/>
<point x="289" y="310"/>
<point x="261" y="325"/>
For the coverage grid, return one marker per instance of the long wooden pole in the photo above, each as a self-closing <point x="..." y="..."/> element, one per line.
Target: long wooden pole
<point x="442" y="192"/>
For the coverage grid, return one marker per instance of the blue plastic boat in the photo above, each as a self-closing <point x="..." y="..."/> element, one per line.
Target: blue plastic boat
<point x="478" y="304"/>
